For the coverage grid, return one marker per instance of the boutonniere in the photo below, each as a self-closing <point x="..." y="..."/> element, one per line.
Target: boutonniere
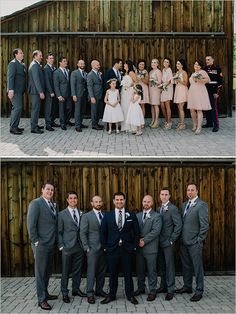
<point x="148" y="216"/>
<point x="121" y="73"/>
<point x="54" y="205"/>
<point x="165" y="208"/>
<point x="80" y="213"/>
<point x="193" y="204"/>
<point x="127" y="215"/>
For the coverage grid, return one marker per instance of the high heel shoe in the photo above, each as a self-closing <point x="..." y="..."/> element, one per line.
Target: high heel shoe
<point x="155" y="125"/>
<point x="194" y="129"/>
<point x="181" y="126"/>
<point x="198" y="131"/>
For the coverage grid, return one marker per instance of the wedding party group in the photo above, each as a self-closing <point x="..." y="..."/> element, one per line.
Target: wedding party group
<point x="119" y="97"/>
<point x="115" y="240"/>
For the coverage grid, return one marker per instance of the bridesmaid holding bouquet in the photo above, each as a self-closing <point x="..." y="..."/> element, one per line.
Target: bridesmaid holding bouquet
<point x="155" y="77"/>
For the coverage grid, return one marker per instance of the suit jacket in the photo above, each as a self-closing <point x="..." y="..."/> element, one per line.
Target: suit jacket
<point x="110" y="234"/>
<point x="16" y="77"/>
<point x="95" y="86"/>
<point x="48" y="77"/>
<point x="61" y="83"/>
<point x="111" y="74"/>
<point x="41" y="223"/>
<point x="36" y="79"/>
<point x="171" y="225"/>
<point x="90" y="231"/>
<point x="78" y="84"/>
<point x="68" y="231"/>
<point x="195" y="223"/>
<point x="150" y="230"/>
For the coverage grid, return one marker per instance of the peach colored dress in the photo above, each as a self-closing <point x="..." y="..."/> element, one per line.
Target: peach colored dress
<point x="166" y="76"/>
<point x="154" y="91"/>
<point x="198" y="98"/>
<point x="181" y="92"/>
<point x="145" y="99"/>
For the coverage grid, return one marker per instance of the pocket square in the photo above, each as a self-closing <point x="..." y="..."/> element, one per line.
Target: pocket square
<point x="129" y="220"/>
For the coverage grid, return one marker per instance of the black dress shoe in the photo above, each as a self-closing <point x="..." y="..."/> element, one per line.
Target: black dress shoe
<point x="169" y="296"/>
<point x="102" y="294"/>
<point x="83" y="126"/>
<point x="151" y="297"/>
<point x="138" y="292"/>
<point x="133" y="300"/>
<point x="70" y="123"/>
<point x="50" y="129"/>
<point x="161" y="290"/>
<point x="37" y="131"/>
<point x="215" y="129"/>
<point x="40" y="127"/>
<point x="55" y="125"/>
<point x="98" y="128"/>
<point x="78" y="129"/>
<point x="207" y="126"/>
<point x="66" y="298"/>
<point x="91" y="299"/>
<point x="196" y="297"/>
<point x="20" y="129"/>
<point x="52" y="297"/>
<point x="63" y="128"/>
<point x="107" y="300"/>
<point x="45" y="306"/>
<point x="184" y="290"/>
<point x="79" y="293"/>
<point x="15" y="131"/>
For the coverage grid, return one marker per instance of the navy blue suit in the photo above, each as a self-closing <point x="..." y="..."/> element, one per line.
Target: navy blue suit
<point x="111" y="74"/>
<point x="118" y="253"/>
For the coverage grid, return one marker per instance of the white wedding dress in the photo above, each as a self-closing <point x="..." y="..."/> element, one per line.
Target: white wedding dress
<point x="126" y="93"/>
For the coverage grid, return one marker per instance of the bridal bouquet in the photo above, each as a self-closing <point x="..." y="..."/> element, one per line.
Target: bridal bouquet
<point x="163" y="87"/>
<point x="176" y="78"/>
<point x="141" y="74"/>
<point x="124" y="85"/>
<point x="153" y="82"/>
<point x="197" y="76"/>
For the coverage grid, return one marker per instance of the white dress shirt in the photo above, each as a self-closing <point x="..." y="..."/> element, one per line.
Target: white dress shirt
<point x="117" y="212"/>
<point x="71" y="210"/>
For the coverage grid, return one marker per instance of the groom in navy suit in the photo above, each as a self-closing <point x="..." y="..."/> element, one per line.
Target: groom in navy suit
<point x="115" y="72"/>
<point x="119" y="239"/>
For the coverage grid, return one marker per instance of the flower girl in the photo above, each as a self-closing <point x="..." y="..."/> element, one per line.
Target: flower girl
<point x="135" y="114"/>
<point x="112" y="112"/>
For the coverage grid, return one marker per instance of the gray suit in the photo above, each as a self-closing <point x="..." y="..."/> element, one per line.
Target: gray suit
<point x="72" y="252"/>
<point x="95" y="89"/>
<point x="171" y="229"/>
<point x="35" y="87"/>
<point x="42" y="228"/>
<point x="150" y="230"/>
<point x="79" y="89"/>
<point x="50" y="102"/>
<point x="194" y="232"/>
<point x="96" y="259"/>
<point x="62" y="88"/>
<point x="16" y="81"/>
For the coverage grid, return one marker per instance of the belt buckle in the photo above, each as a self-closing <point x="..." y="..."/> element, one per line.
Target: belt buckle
<point x="120" y="242"/>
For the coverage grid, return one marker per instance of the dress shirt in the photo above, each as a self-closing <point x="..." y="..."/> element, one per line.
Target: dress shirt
<point x="71" y="210"/>
<point x="146" y="212"/>
<point x="97" y="214"/>
<point x="117" y="212"/>
<point x="191" y="203"/>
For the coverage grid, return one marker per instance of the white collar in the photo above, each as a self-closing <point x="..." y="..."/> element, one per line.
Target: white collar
<point x="193" y="200"/>
<point x="147" y="211"/>
<point x="122" y="209"/>
<point x="97" y="211"/>
<point x="72" y="209"/>
<point x="165" y="204"/>
<point x="47" y="201"/>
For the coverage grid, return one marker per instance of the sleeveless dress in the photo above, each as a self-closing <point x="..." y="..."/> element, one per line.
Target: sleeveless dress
<point x="198" y="98"/>
<point x="166" y="76"/>
<point x="113" y="114"/>
<point x="145" y="99"/>
<point x="181" y="92"/>
<point x="154" y="91"/>
<point x="135" y="114"/>
<point x="126" y="93"/>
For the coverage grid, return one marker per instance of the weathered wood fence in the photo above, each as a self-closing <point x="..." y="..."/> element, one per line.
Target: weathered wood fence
<point x="21" y="182"/>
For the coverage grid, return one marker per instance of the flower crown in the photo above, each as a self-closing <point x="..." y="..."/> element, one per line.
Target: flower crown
<point x="137" y="89"/>
<point x="111" y="80"/>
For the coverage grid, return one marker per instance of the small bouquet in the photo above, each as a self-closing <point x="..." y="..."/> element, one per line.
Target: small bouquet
<point x="163" y="87"/>
<point x="197" y="76"/>
<point x="141" y="74"/>
<point x="153" y="82"/>
<point x="125" y="85"/>
<point x="176" y="78"/>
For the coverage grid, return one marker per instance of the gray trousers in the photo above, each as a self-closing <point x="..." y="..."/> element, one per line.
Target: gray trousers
<point x="17" y="107"/>
<point x="96" y="269"/>
<point x="80" y="106"/>
<point x="191" y="258"/>
<point x="65" y="111"/>
<point x="148" y="261"/>
<point x="49" y="109"/>
<point x="71" y="263"/>
<point x="166" y="267"/>
<point x="96" y="111"/>
<point x="43" y="257"/>
<point x="35" y="109"/>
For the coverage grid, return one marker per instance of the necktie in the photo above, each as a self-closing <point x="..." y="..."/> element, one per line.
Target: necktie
<point x="162" y="209"/>
<point x="98" y="74"/>
<point x="82" y="72"/>
<point x="118" y="75"/>
<point x="144" y="216"/>
<point x="75" y="217"/>
<point x="187" y="207"/>
<point x="120" y="220"/>
<point x="100" y="216"/>
<point x="66" y="74"/>
<point x="51" y="207"/>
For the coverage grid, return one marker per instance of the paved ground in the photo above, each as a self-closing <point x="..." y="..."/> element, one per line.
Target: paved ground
<point x="90" y="143"/>
<point x="18" y="296"/>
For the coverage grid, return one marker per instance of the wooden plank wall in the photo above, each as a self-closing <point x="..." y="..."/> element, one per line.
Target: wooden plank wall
<point x="108" y="16"/>
<point x="22" y="183"/>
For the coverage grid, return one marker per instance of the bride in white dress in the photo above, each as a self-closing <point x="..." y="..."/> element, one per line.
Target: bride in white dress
<point x="127" y="84"/>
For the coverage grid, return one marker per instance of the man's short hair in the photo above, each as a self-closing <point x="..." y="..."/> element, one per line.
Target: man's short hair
<point x="35" y="53"/>
<point x="165" y="188"/>
<point x="47" y="182"/>
<point x="15" y="52"/>
<point x="192" y="183"/>
<point x="118" y="194"/>
<point x="61" y="58"/>
<point x="49" y="54"/>
<point x="70" y="193"/>
<point x="116" y="60"/>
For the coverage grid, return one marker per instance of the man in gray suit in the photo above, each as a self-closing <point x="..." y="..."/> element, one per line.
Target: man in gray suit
<point x="16" y="78"/>
<point x="79" y="94"/>
<point x="96" y="259"/>
<point x="36" y="89"/>
<point x="171" y="229"/>
<point x="194" y="232"/>
<point x="61" y="79"/>
<point x="70" y="245"/>
<point x="50" y="105"/>
<point x="95" y="94"/>
<point x="150" y="228"/>
<point x="42" y="229"/>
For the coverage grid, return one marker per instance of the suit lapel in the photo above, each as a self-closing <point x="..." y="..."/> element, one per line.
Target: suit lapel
<point x="47" y="208"/>
<point x="94" y="217"/>
<point x="70" y="217"/>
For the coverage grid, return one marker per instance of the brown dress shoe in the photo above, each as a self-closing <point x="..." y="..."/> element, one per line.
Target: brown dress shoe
<point x="52" y="297"/>
<point x="151" y="297"/>
<point x="184" y="290"/>
<point x="169" y="296"/>
<point x="138" y="292"/>
<point x="91" y="299"/>
<point x="133" y="300"/>
<point x="161" y="290"/>
<point x="45" y="306"/>
<point x="196" y="297"/>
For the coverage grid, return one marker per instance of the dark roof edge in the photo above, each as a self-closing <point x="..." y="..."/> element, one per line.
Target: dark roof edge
<point x="24" y="10"/>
